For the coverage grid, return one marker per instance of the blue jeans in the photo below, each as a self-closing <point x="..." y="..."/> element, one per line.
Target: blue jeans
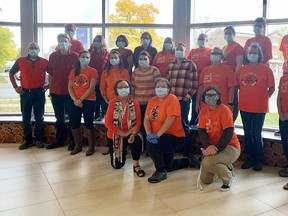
<point x="283" y="126"/>
<point x="253" y="142"/>
<point x="33" y="98"/>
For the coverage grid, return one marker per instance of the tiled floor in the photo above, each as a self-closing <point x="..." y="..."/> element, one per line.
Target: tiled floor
<point x="51" y="182"/>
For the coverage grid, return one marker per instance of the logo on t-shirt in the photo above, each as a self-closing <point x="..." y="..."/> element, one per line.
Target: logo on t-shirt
<point x="154" y="113"/>
<point x="249" y="79"/>
<point x="284" y="87"/>
<point x="209" y="126"/>
<point x="80" y="80"/>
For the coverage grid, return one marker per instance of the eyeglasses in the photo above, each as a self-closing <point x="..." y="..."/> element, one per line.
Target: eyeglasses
<point x="210" y="95"/>
<point x="122" y="87"/>
<point x="33" y="48"/>
<point x="216" y="53"/>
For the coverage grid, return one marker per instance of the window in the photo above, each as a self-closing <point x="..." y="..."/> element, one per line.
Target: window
<point x="206" y="11"/>
<point x="66" y="11"/>
<point x="10" y="11"/>
<point x="277" y="9"/>
<point x="140" y="11"/>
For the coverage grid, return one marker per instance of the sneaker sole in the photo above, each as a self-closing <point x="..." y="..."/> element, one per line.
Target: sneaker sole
<point x="154" y="181"/>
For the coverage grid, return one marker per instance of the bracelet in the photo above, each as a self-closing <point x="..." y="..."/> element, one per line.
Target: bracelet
<point x="231" y="104"/>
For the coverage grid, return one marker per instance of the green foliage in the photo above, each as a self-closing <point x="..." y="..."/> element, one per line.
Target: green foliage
<point x="8" y="49"/>
<point x="127" y="11"/>
<point x="271" y="119"/>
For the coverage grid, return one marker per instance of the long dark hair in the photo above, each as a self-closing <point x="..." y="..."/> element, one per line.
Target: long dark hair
<point x="110" y="66"/>
<point x="78" y="65"/>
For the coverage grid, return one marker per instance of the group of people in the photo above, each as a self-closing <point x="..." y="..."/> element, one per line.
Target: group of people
<point x="145" y="98"/>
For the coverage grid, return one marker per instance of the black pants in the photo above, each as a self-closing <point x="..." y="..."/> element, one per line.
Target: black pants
<point x="283" y="126"/>
<point x="61" y="105"/>
<point x="88" y="112"/>
<point x="33" y="98"/>
<point x="162" y="153"/>
<point x="142" y="128"/>
<point x="100" y="103"/>
<point x="136" y="150"/>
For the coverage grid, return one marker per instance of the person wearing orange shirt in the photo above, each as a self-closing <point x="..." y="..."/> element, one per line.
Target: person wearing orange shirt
<point x="32" y="93"/>
<point x="201" y="57"/>
<point x="123" y="122"/>
<point x="260" y="38"/>
<point x="221" y="76"/>
<point x="221" y="145"/>
<point x="109" y="77"/>
<point x="81" y="87"/>
<point x="165" y="56"/>
<point x="284" y="49"/>
<point x="165" y="132"/>
<point x="282" y="105"/>
<point x="256" y="85"/>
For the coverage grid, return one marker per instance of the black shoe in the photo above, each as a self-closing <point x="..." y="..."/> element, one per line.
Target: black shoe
<point x="227" y="187"/>
<point x="194" y="163"/>
<point x="26" y="145"/>
<point x="54" y="145"/>
<point x="283" y="172"/>
<point x="71" y="146"/>
<point x="247" y="164"/>
<point x="39" y="144"/>
<point x="258" y="166"/>
<point x="157" y="177"/>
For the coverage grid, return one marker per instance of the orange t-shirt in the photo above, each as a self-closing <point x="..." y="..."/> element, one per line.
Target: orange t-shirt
<point x="254" y="82"/>
<point x="265" y="44"/>
<point x="161" y="61"/>
<point x="112" y="128"/>
<point x="284" y="49"/>
<point x="215" y="122"/>
<point x="82" y="82"/>
<point x="283" y="88"/>
<point x="108" y="81"/>
<point x="222" y="77"/>
<point x="231" y="52"/>
<point x="201" y="57"/>
<point x="158" y="111"/>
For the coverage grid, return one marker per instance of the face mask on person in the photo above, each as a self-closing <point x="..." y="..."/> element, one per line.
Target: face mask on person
<point x="84" y="61"/>
<point x="121" y="44"/>
<point x="201" y="43"/>
<point x="161" y="92"/>
<point x="143" y="63"/>
<point x="252" y="57"/>
<point x="145" y="41"/>
<point x="63" y="45"/>
<point x="97" y="44"/>
<point x="215" y="58"/>
<point x="33" y="52"/>
<point x="211" y="100"/>
<point x="179" y="54"/>
<point x="167" y="46"/>
<point x="123" y="92"/>
<point x="70" y="33"/>
<point x="228" y="37"/>
<point x="114" y="61"/>
<point x="257" y="30"/>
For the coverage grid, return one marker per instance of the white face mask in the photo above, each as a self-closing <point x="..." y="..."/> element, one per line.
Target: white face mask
<point x="123" y="92"/>
<point x="161" y="92"/>
<point x="179" y="54"/>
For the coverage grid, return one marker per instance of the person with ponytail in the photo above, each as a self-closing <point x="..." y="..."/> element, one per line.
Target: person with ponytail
<point x="81" y="87"/>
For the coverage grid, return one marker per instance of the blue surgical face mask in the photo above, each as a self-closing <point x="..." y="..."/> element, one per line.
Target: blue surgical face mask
<point x="257" y="30"/>
<point x="97" y="44"/>
<point x="228" y="37"/>
<point x="123" y="92"/>
<point x="201" y="43"/>
<point x="114" y="61"/>
<point x="70" y="33"/>
<point x="215" y="58"/>
<point x="211" y="100"/>
<point x="84" y="61"/>
<point x="168" y="46"/>
<point x="63" y="45"/>
<point x="33" y="52"/>
<point x="143" y="63"/>
<point x="252" y="57"/>
<point x="161" y="92"/>
<point x="121" y="44"/>
<point x="179" y="54"/>
<point x="145" y="41"/>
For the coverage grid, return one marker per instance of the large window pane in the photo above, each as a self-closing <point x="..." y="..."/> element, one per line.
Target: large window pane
<point x="10" y="11"/>
<point x="203" y="11"/>
<point x="140" y="11"/>
<point x="67" y="11"/>
<point x="277" y="9"/>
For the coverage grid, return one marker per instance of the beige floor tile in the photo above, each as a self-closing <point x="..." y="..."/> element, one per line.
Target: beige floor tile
<point x="236" y="205"/>
<point x="20" y="171"/>
<point x="283" y="208"/>
<point x="50" y="208"/>
<point x="273" y="212"/>
<point x="27" y="197"/>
